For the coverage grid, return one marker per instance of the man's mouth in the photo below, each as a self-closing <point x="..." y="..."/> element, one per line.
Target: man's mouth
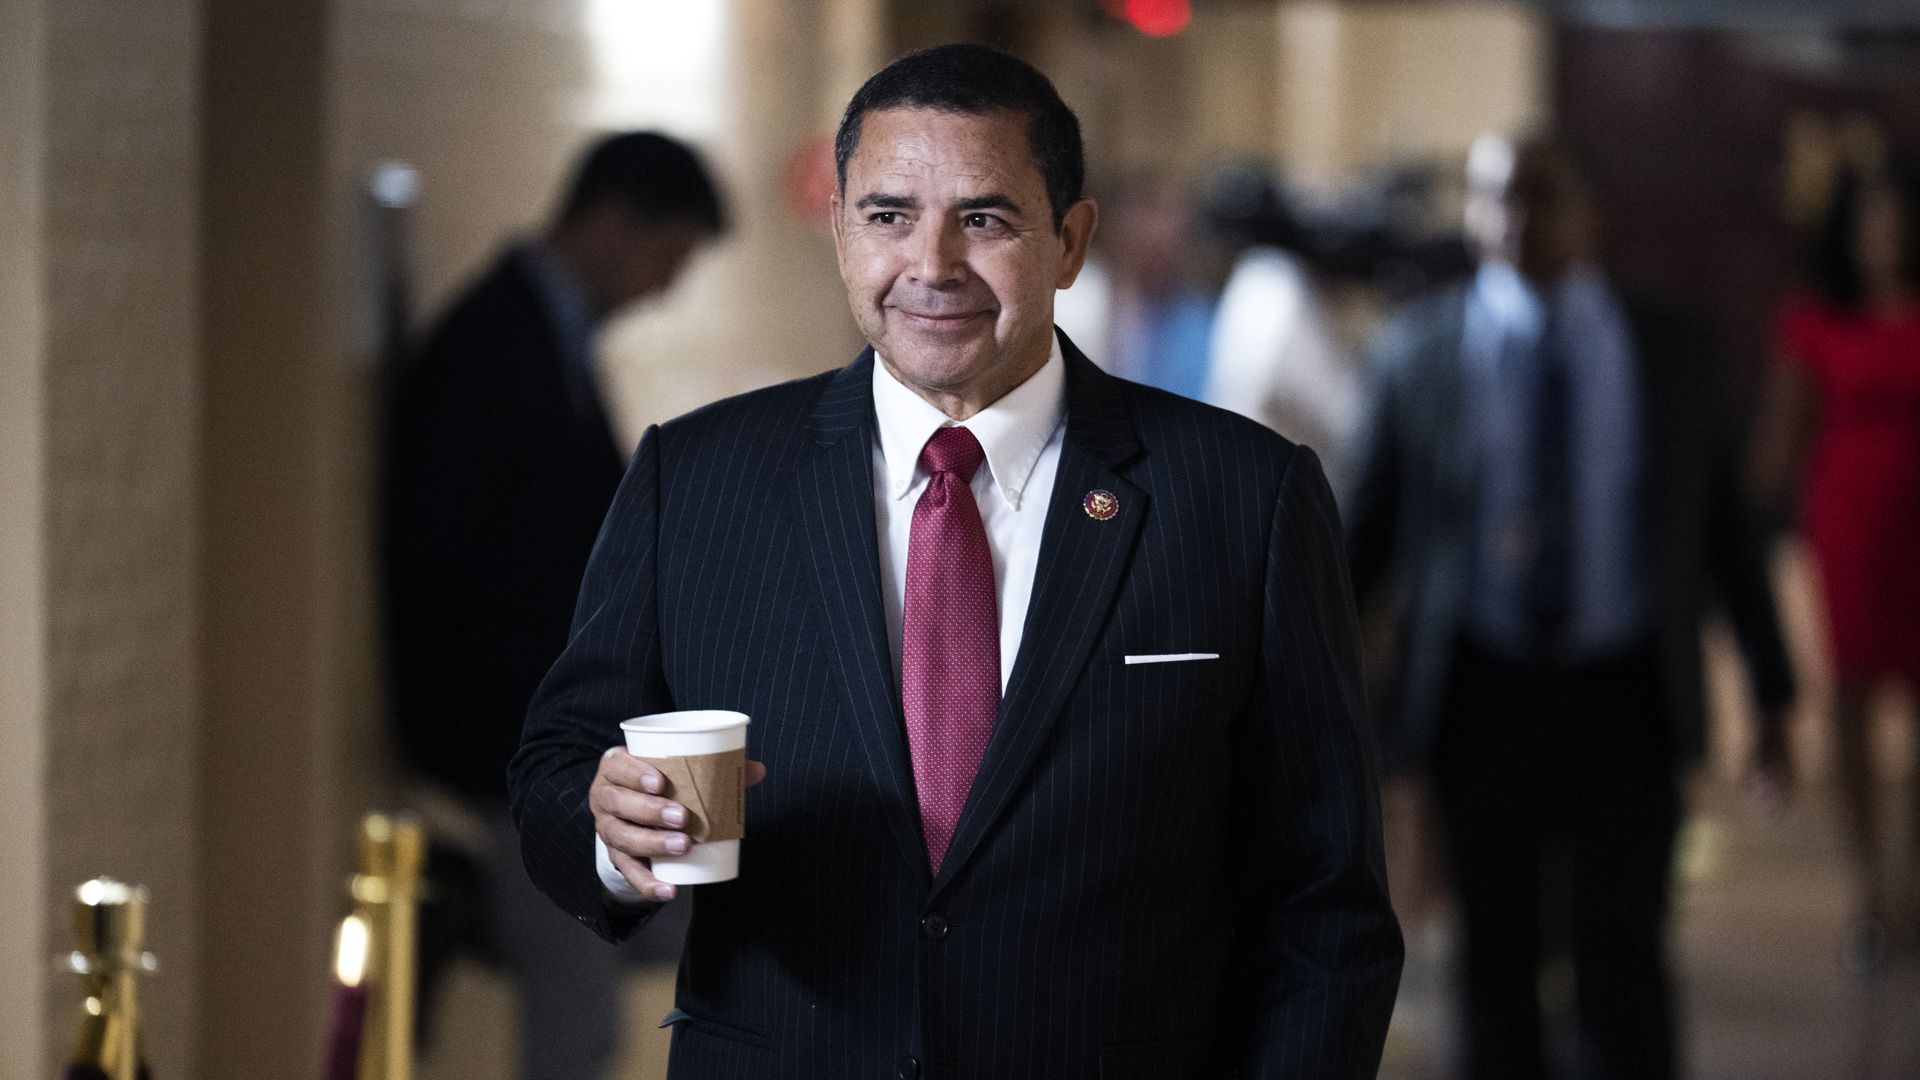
<point x="940" y="320"/>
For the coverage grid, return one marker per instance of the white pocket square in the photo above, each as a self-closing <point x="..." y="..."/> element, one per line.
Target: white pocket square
<point x="1170" y="657"/>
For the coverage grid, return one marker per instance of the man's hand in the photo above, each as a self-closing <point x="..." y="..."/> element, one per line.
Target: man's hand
<point x="637" y="822"/>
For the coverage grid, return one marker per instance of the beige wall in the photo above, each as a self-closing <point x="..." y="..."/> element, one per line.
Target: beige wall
<point x="1369" y="84"/>
<point x="1167" y="107"/>
<point x="119" y="422"/>
<point x="487" y="100"/>
<point x="1324" y="88"/>
<point x="97" y="438"/>
<point x="23" y="942"/>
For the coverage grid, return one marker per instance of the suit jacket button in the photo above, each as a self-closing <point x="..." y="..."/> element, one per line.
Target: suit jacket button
<point x="934" y="928"/>
<point x="909" y="1068"/>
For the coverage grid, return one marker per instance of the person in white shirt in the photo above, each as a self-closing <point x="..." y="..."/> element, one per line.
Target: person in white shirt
<point x="1275" y="354"/>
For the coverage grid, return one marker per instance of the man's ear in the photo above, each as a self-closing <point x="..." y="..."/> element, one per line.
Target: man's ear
<point x="1076" y="232"/>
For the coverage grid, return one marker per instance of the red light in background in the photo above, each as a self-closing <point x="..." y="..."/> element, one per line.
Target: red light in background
<point x="1158" y="18"/>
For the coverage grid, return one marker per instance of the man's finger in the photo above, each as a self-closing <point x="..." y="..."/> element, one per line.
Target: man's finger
<point x="629" y="805"/>
<point x="640" y="876"/>
<point x="756" y="772"/>
<point x="640" y="841"/>
<point x="624" y="770"/>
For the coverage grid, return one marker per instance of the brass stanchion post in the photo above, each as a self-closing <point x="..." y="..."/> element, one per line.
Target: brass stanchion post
<point x="110" y="929"/>
<point x="386" y="896"/>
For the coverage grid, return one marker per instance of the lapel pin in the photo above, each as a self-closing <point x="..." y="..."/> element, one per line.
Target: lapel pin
<point x="1101" y="504"/>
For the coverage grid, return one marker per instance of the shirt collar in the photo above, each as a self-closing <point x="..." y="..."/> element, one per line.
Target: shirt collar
<point x="1013" y="430"/>
<point x="566" y="299"/>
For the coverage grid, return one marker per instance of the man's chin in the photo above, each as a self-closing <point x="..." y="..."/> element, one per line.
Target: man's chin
<point x="939" y="366"/>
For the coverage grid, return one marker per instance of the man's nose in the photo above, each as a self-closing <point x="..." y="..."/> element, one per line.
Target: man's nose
<point x="939" y="253"/>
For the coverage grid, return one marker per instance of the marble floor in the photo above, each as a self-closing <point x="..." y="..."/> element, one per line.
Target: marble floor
<point x="1760" y="918"/>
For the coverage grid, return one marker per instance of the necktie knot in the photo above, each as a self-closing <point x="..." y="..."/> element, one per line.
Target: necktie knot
<point x="953" y="450"/>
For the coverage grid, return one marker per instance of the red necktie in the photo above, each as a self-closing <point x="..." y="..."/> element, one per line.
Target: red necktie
<point x="950" y="639"/>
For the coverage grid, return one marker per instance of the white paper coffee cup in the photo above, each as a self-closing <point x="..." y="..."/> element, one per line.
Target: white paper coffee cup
<point x="691" y="733"/>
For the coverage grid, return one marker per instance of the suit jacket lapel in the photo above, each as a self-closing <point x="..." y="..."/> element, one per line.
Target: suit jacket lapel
<point x="833" y="504"/>
<point x="1082" y="562"/>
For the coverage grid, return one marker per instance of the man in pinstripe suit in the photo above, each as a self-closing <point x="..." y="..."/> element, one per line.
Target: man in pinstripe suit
<point x="1054" y="678"/>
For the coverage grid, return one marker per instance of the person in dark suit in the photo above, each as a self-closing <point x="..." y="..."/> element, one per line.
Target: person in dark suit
<point x="1054" y="679"/>
<point x="501" y="463"/>
<point x="1550" y="493"/>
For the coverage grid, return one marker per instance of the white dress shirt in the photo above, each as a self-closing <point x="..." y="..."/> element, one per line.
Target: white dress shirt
<point x="1021" y="434"/>
<point x="1274" y="356"/>
<point x="1505" y="318"/>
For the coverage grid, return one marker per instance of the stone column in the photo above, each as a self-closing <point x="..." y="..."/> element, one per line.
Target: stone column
<point x="23" y="658"/>
<point x="98" y="540"/>
<point x="275" y="824"/>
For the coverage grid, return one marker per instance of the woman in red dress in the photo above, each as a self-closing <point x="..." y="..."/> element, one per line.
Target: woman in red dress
<point x="1842" y="421"/>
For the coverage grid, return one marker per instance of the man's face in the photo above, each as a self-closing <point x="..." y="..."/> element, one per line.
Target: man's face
<point x="645" y="257"/>
<point x="947" y="247"/>
<point x="1527" y="206"/>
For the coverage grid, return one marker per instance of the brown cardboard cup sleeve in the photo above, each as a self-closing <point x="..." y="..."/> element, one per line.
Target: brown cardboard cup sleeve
<point x="713" y="789"/>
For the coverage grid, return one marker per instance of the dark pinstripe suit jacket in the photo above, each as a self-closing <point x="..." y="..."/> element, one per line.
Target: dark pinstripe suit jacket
<point x="1163" y="870"/>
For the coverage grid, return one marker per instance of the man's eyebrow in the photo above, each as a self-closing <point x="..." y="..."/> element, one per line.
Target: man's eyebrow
<point x="878" y="201"/>
<point x="992" y="200"/>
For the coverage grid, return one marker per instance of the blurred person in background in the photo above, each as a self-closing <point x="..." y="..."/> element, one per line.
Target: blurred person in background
<point x="1274" y="354"/>
<point x="1550" y="493"/>
<point x="1159" y="316"/>
<point x="1841" y="417"/>
<point x="501" y="463"/>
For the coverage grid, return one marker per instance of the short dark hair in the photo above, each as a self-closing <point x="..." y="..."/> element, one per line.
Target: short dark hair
<point x="1832" y="265"/>
<point x="973" y="80"/>
<point x="655" y="176"/>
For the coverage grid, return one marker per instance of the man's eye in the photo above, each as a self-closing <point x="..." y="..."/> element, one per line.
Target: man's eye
<point x="980" y="221"/>
<point x="886" y="217"/>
